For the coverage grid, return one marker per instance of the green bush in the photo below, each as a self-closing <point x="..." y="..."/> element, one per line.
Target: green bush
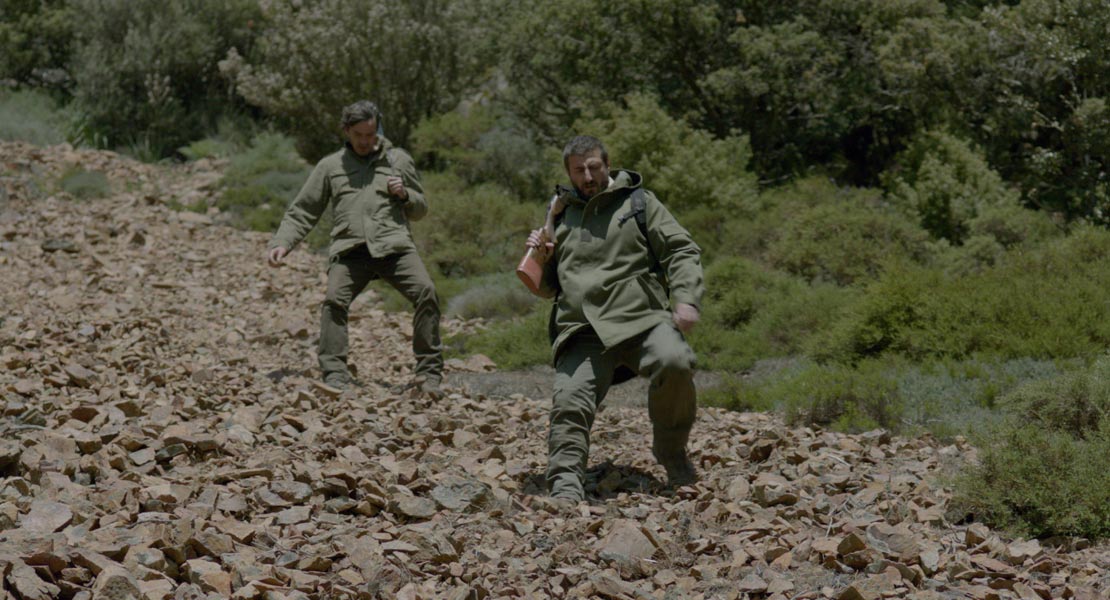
<point x="472" y="231"/>
<point x="1076" y="404"/>
<point x="261" y="181"/>
<point x="844" y="242"/>
<point x="751" y="312"/>
<point x="32" y="117"/>
<point x="1047" y="302"/>
<point x="36" y="41"/>
<point x="945" y="398"/>
<point x="520" y="343"/>
<point x="1011" y="225"/>
<point x="83" y="184"/>
<point x="414" y="60"/>
<point x="206" y="148"/>
<point x="946" y="184"/>
<point x="1043" y="470"/>
<point x="493" y="296"/>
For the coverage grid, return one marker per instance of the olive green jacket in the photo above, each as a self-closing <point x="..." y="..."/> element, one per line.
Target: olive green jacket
<point x="363" y="209"/>
<point x="603" y="271"/>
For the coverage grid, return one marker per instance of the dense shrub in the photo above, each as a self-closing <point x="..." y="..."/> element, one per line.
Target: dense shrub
<point x="261" y="181"/>
<point x="415" y="59"/>
<point x="750" y="313"/>
<point x="31" y="117"/>
<point x="520" y="343"/>
<point x="1047" y="302"/>
<point x="844" y="242"/>
<point x="472" y="230"/>
<point x="946" y="398"/>
<point x="145" y="70"/>
<point x="946" y="184"/>
<point x="1043" y="471"/>
<point x="561" y="59"/>
<point x="481" y="146"/>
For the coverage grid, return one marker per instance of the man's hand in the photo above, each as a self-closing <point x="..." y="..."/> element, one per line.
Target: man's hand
<point x="538" y="241"/>
<point x="685" y="316"/>
<point x="397" y="187"/>
<point x="276" y="256"/>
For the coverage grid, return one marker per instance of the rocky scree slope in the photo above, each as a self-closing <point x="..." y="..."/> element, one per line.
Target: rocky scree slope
<point x="163" y="437"/>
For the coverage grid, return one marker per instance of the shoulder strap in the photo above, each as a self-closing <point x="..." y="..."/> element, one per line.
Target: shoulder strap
<point x="639" y="212"/>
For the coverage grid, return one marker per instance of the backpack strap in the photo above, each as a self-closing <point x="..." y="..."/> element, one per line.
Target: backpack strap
<point x="639" y="212"/>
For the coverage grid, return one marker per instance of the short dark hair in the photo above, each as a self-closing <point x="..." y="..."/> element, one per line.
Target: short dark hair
<point x="581" y="145"/>
<point x="363" y="110"/>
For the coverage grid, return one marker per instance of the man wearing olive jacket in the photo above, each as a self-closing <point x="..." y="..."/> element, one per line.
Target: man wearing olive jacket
<point x="612" y="315"/>
<point x="374" y="192"/>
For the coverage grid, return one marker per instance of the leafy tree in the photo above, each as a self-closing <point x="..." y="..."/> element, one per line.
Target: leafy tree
<point x="814" y="85"/>
<point x="946" y="184"/>
<point x="145" y="70"/>
<point x="414" y="59"/>
<point x="688" y="168"/>
<point x="36" y="40"/>
<point x="484" y="144"/>
<point x="564" y="57"/>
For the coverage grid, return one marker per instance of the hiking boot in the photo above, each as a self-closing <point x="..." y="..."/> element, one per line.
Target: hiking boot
<point x="556" y="505"/>
<point x="680" y="471"/>
<point x="338" y="380"/>
<point x="430" y="385"/>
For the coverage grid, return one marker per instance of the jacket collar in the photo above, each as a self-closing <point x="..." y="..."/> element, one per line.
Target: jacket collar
<point x="384" y="145"/>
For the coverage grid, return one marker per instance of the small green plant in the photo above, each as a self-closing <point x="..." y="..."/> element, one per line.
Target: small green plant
<point x="493" y="296"/>
<point x="206" y="148"/>
<point x="199" y="206"/>
<point x="84" y="185"/>
<point x="31" y="116"/>
<point x="522" y="342"/>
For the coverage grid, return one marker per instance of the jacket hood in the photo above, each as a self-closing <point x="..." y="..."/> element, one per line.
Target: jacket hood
<point x="623" y="182"/>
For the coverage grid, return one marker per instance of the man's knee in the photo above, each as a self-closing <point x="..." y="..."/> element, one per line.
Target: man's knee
<point x="335" y="306"/>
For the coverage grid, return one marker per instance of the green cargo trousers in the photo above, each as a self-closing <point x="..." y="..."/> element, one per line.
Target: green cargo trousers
<point x="583" y="373"/>
<point x="348" y="275"/>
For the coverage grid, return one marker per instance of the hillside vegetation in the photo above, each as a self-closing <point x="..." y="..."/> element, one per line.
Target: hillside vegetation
<point x="903" y="206"/>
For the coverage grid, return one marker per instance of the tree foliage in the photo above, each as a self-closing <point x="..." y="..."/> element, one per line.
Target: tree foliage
<point x="36" y="41"/>
<point x="145" y="70"/>
<point x="414" y="59"/>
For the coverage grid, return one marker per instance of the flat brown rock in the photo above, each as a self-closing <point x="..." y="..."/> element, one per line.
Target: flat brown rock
<point x="46" y="517"/>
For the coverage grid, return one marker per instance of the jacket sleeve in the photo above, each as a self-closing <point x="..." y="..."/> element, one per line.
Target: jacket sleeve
<point x="677" y="252"/>
<point x="305" y="210"/>
<point x="549" y="281"/>
<point x="416" y="206"/>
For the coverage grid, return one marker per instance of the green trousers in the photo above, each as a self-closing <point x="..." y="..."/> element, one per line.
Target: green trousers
<point x="349" y="274"/>
<point x="583" y="374"/>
